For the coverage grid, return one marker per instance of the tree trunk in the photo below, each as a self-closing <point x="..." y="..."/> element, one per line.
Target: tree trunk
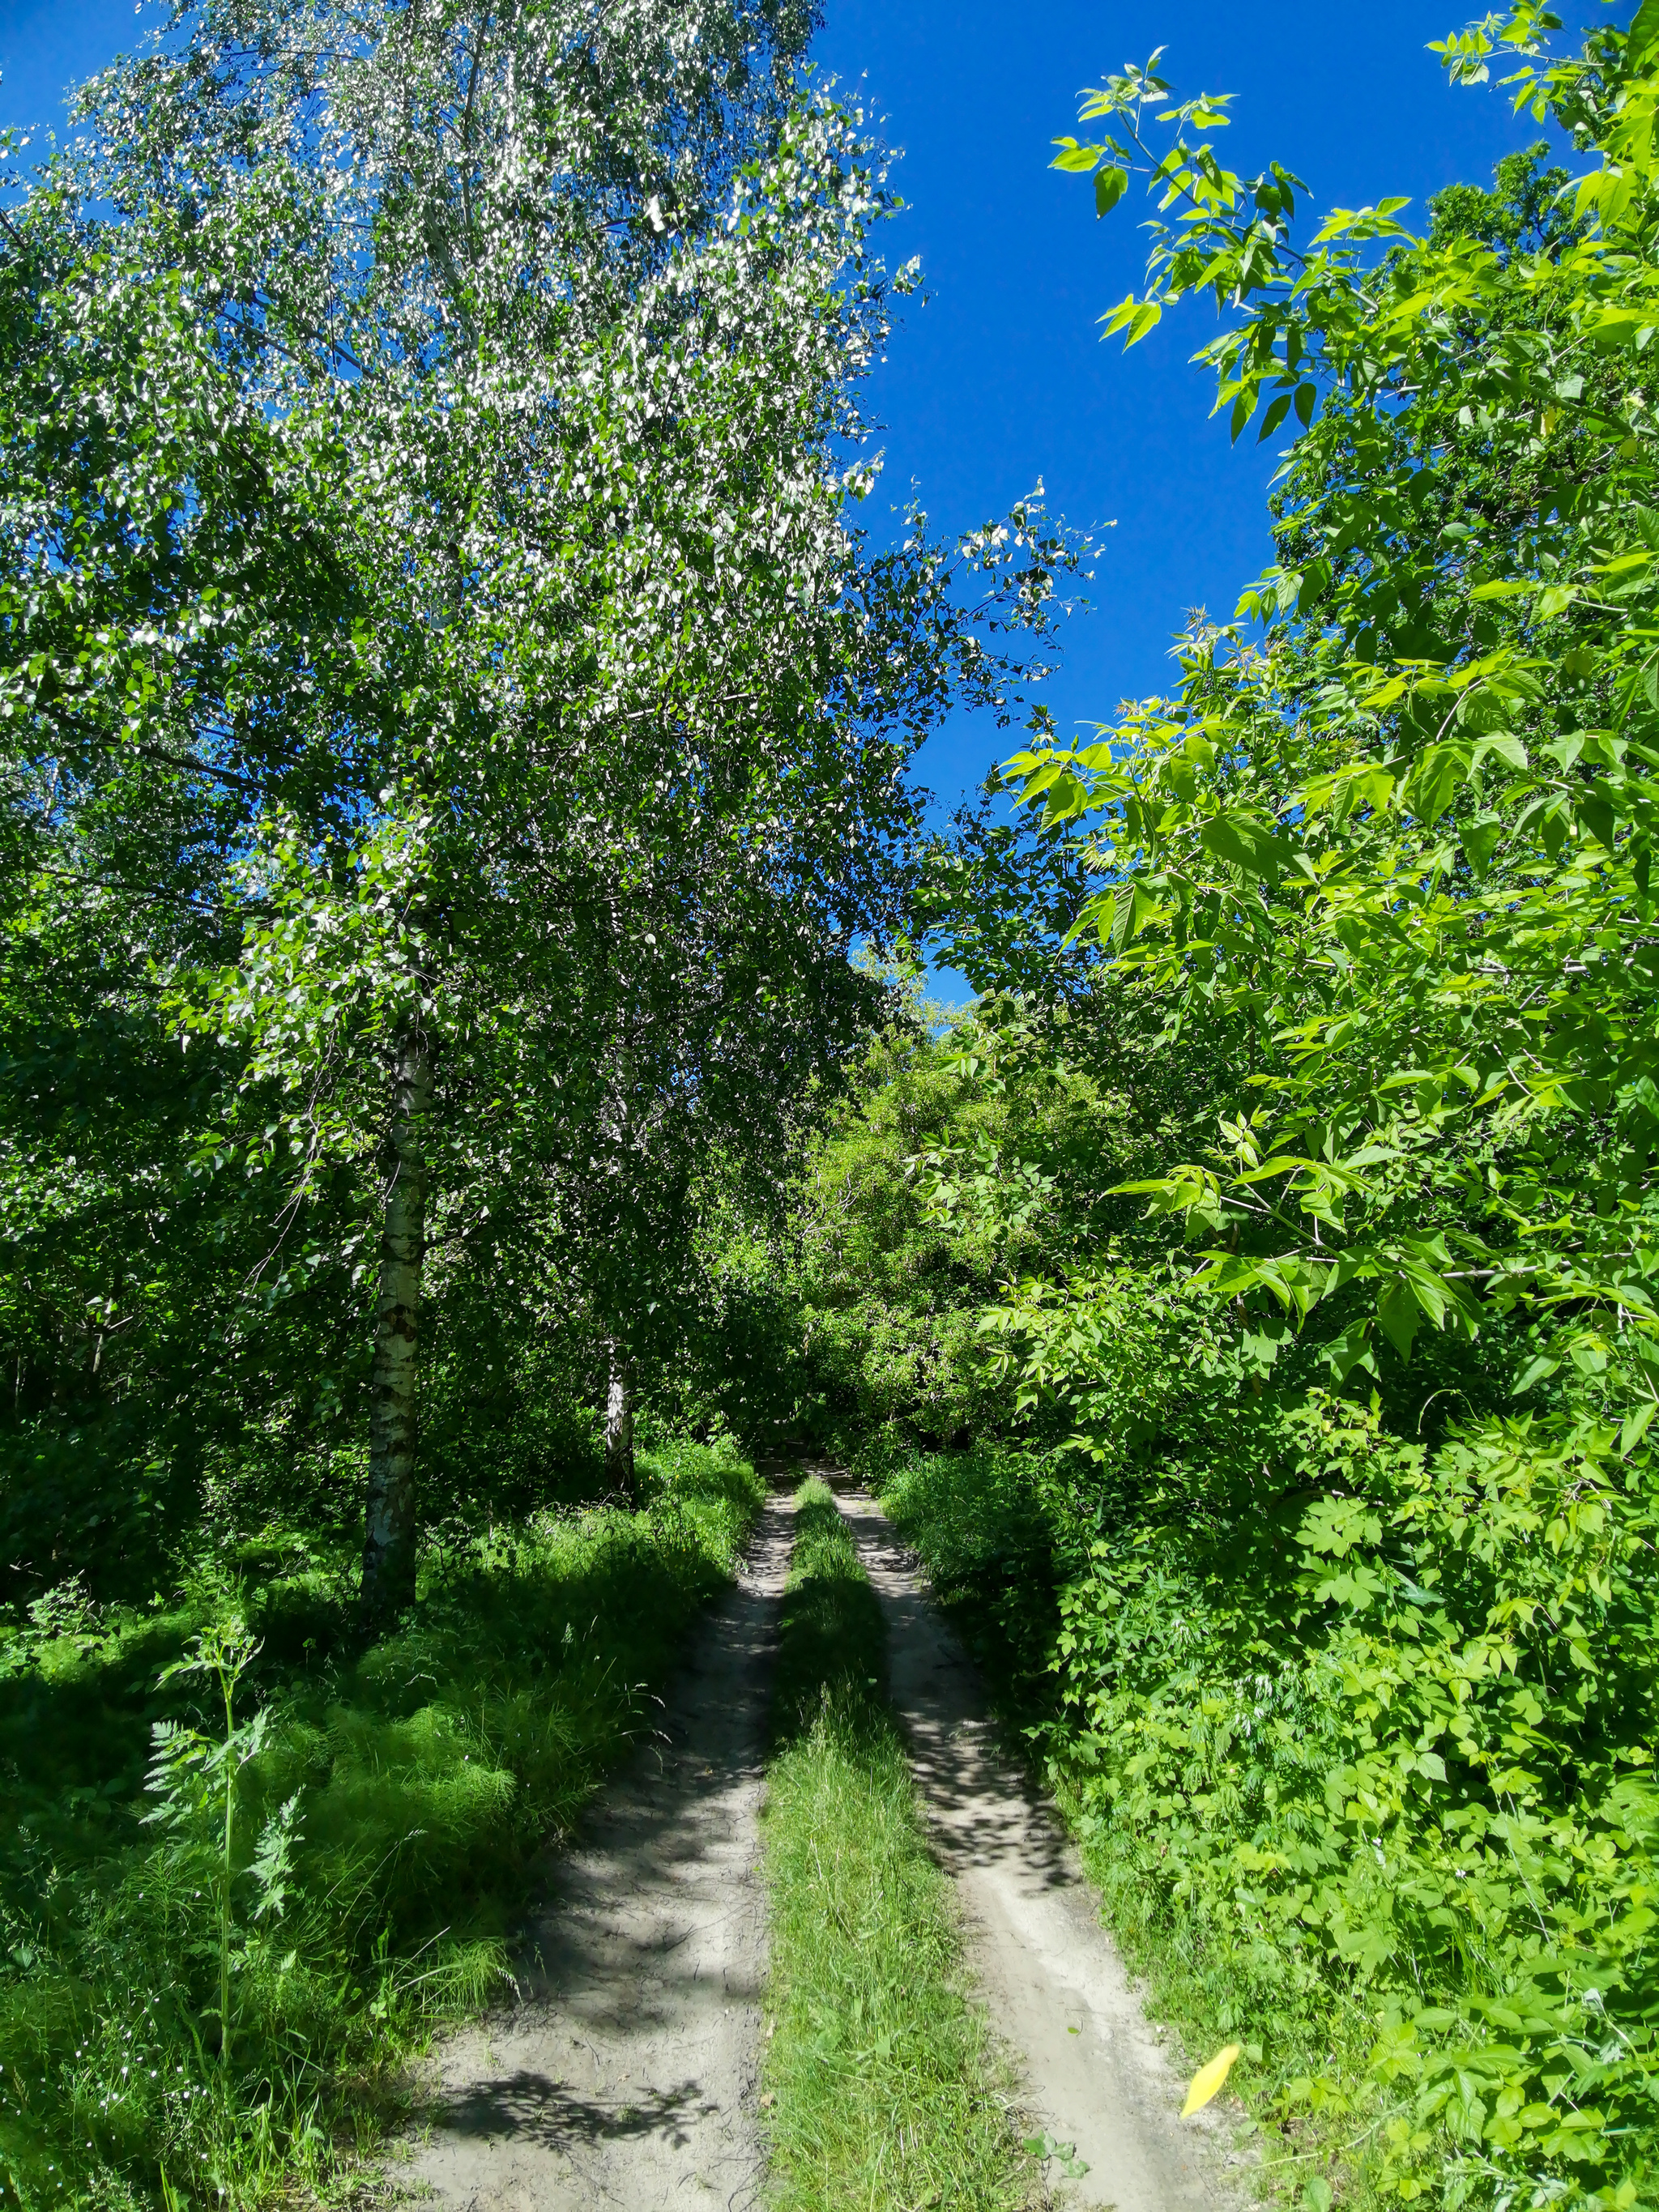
<point x="394" y="1407"/>
<point x="619" y="1426"/>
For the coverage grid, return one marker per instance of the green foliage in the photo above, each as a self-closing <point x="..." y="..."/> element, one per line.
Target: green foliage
<point x="1385" y="1713"/>
<point x="992" y="1524"/>
<point x="1322" y="1579"/>
<point x="388" y="1809"/>
<point x="883" y="2089"/>
<point x="195" y="1774"/>
<point x="436" y="648"/>
<point x="960" y="1154"/>
<point x="1397" y="849"/>
<point x="1356" y="1736"/>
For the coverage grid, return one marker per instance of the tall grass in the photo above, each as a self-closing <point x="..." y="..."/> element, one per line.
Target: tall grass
<point x="884" y="2089"/>
<point x="429" y="1773"/>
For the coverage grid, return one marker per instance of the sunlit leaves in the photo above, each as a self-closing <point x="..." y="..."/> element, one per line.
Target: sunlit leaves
<point x="1415" y="870"/>
<point x="1111" y="185"/>
<point x="437" y="597"/>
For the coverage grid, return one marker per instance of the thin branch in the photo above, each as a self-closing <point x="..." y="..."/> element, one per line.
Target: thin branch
<point x="185" y="899"/>
<point x="203" y="767"/>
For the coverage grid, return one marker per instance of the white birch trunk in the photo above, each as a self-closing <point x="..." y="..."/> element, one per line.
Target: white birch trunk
<point x="390" y="1530"/>
<point x="618" y="1425"/>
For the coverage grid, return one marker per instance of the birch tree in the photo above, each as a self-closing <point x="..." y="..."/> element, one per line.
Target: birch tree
<point x="562" y="319"/>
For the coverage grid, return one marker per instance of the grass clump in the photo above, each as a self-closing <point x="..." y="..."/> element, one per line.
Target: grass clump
<point x="883" y="2085"/>
<point x="390" y="1808"/>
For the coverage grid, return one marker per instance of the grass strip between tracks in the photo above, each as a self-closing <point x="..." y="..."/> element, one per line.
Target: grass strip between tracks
<point x="883" y="2090"/>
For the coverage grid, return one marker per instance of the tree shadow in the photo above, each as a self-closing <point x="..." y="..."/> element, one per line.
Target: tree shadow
<point x="982" y="1807"/>
<point x="536" y="2109"/>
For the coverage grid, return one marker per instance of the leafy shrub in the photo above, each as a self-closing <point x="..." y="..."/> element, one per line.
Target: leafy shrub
<point x="1358" y="1736"/>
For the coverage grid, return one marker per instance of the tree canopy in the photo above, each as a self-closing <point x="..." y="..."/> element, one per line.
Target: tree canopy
<point x="443" y="668"/>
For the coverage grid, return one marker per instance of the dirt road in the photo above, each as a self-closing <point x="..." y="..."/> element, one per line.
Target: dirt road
<point x="626" y="2074"/>
<point x="1095" y="2074"/>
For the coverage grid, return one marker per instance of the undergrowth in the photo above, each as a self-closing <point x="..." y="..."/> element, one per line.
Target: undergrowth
<point x="1356" y="1739"/>
<point x="884" y="2091"/>
<point x="388" y="1807"/>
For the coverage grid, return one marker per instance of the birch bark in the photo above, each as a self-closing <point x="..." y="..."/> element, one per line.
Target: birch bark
<point x="390" y="1529"/>
<point x="619" y="1425"/>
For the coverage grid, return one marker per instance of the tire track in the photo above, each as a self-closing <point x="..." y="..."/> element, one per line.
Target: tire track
<point x="625" y="2073"/>
<point x="1095" y="2074"/>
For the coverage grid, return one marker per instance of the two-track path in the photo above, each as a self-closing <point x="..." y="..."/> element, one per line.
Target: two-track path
<point x="626" y="2073"/>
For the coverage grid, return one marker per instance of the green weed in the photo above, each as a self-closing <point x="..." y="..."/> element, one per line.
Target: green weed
<point x="883" y="2087"/>
<point x="346" y="1843"/>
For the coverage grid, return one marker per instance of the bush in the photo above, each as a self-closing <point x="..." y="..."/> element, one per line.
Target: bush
<point x="1357" y="1736"/>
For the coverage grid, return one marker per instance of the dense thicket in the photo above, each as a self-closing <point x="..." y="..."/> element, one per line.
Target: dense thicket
<point x="1279" y="1230"/>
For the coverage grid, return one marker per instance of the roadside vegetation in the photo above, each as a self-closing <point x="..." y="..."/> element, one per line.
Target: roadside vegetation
<point x="254" y="1866"/>
<point x="884" y="2088"/>
<point x="1248" y="1308"/>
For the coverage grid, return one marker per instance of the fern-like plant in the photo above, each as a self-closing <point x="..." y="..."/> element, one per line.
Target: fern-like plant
<point x="194" y="1775"/>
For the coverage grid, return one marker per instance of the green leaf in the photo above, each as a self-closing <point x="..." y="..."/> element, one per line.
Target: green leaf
<point x="1110" y="184"/>
<point x="1645" y="32"/>
<point x="1598" y="817"/>
<point x="1480" y="838"/>
<point x="1399" y="1314"/>
<point x="1635" y="1427"/>
<point x="1501" y="745"/>
<point x="1275" y="415"/>
<point x="1437" y="778"/>
<point x="1245" y="843"/>
<point x="1350" y="1350"/>
<point x="1124" y="901"/>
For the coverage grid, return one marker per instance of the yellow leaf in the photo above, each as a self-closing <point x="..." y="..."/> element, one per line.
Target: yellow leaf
<point x="1211" y="2080"/>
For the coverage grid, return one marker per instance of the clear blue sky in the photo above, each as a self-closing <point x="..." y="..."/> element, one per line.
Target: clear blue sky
<point x="1001" y="378"/>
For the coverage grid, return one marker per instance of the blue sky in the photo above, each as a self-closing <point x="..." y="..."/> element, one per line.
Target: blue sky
<point x="1001" y="378"/>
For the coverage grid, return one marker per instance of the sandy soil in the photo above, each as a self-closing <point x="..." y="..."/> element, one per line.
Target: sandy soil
<point x="626" y="2073"/>
<point x="1096" y="2075"/>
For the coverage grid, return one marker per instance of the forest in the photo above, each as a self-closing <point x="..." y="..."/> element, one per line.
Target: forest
<point x="474" y="1127"/>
